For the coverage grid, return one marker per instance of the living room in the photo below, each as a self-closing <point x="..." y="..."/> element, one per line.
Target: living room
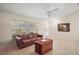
<point x="42" y="20"/>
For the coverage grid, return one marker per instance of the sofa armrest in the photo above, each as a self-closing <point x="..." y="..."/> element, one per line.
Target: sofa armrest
<point x="19" y="43"/>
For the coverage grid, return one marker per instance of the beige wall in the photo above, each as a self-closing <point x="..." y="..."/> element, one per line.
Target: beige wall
<point x="43" y="28"/>
<point x="52" y="27"/>
<point x="6" y="25"/>
<point x="73" y="19"/>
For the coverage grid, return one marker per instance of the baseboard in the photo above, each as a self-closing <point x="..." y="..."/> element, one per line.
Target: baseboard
<point x="7" y="43"/>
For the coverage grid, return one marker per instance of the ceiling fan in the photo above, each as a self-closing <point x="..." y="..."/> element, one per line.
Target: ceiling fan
<point x="50" y="10"/>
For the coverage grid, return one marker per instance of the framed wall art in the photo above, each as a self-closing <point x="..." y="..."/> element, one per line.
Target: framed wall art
<point x="64" y="27"/>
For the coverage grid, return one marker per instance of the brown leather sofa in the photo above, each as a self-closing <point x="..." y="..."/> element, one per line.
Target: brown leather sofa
<point x="27" y="39"/>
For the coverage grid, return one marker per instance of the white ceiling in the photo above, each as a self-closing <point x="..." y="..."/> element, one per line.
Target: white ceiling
<point x="38" y="10"/>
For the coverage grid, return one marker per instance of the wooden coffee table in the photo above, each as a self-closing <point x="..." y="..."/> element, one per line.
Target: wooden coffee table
<point x="42" y="46"/>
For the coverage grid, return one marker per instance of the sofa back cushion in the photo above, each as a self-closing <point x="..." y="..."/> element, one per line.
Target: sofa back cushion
<point x="24" y="37"/>
<point x="30" y="35"/>
<point x="35" y="35"/>
<point x="26" y="41"/>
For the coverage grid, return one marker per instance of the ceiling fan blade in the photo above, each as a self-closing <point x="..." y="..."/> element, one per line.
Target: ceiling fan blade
<point x="56" y="9"/>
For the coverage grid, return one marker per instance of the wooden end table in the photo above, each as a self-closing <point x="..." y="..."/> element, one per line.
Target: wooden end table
<point x="42" y="46"/>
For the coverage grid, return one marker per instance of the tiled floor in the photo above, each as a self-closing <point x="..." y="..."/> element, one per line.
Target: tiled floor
<point x="61" y="47"/>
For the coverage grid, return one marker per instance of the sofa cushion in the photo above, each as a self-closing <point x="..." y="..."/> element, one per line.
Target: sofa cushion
<point x="33" y="39"/>
<point x="30" y="35"/>
<point x="39" y="38"/>
<point x="24" y="37"/>
<point x="35" y="35"/>
<point x="26" y="41"/>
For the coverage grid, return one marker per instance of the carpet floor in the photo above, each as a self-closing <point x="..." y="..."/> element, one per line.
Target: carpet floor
<point x="60" y="47"/>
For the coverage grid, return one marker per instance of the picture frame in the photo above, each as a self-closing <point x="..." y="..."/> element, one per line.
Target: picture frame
<point x="64" y="27"/>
